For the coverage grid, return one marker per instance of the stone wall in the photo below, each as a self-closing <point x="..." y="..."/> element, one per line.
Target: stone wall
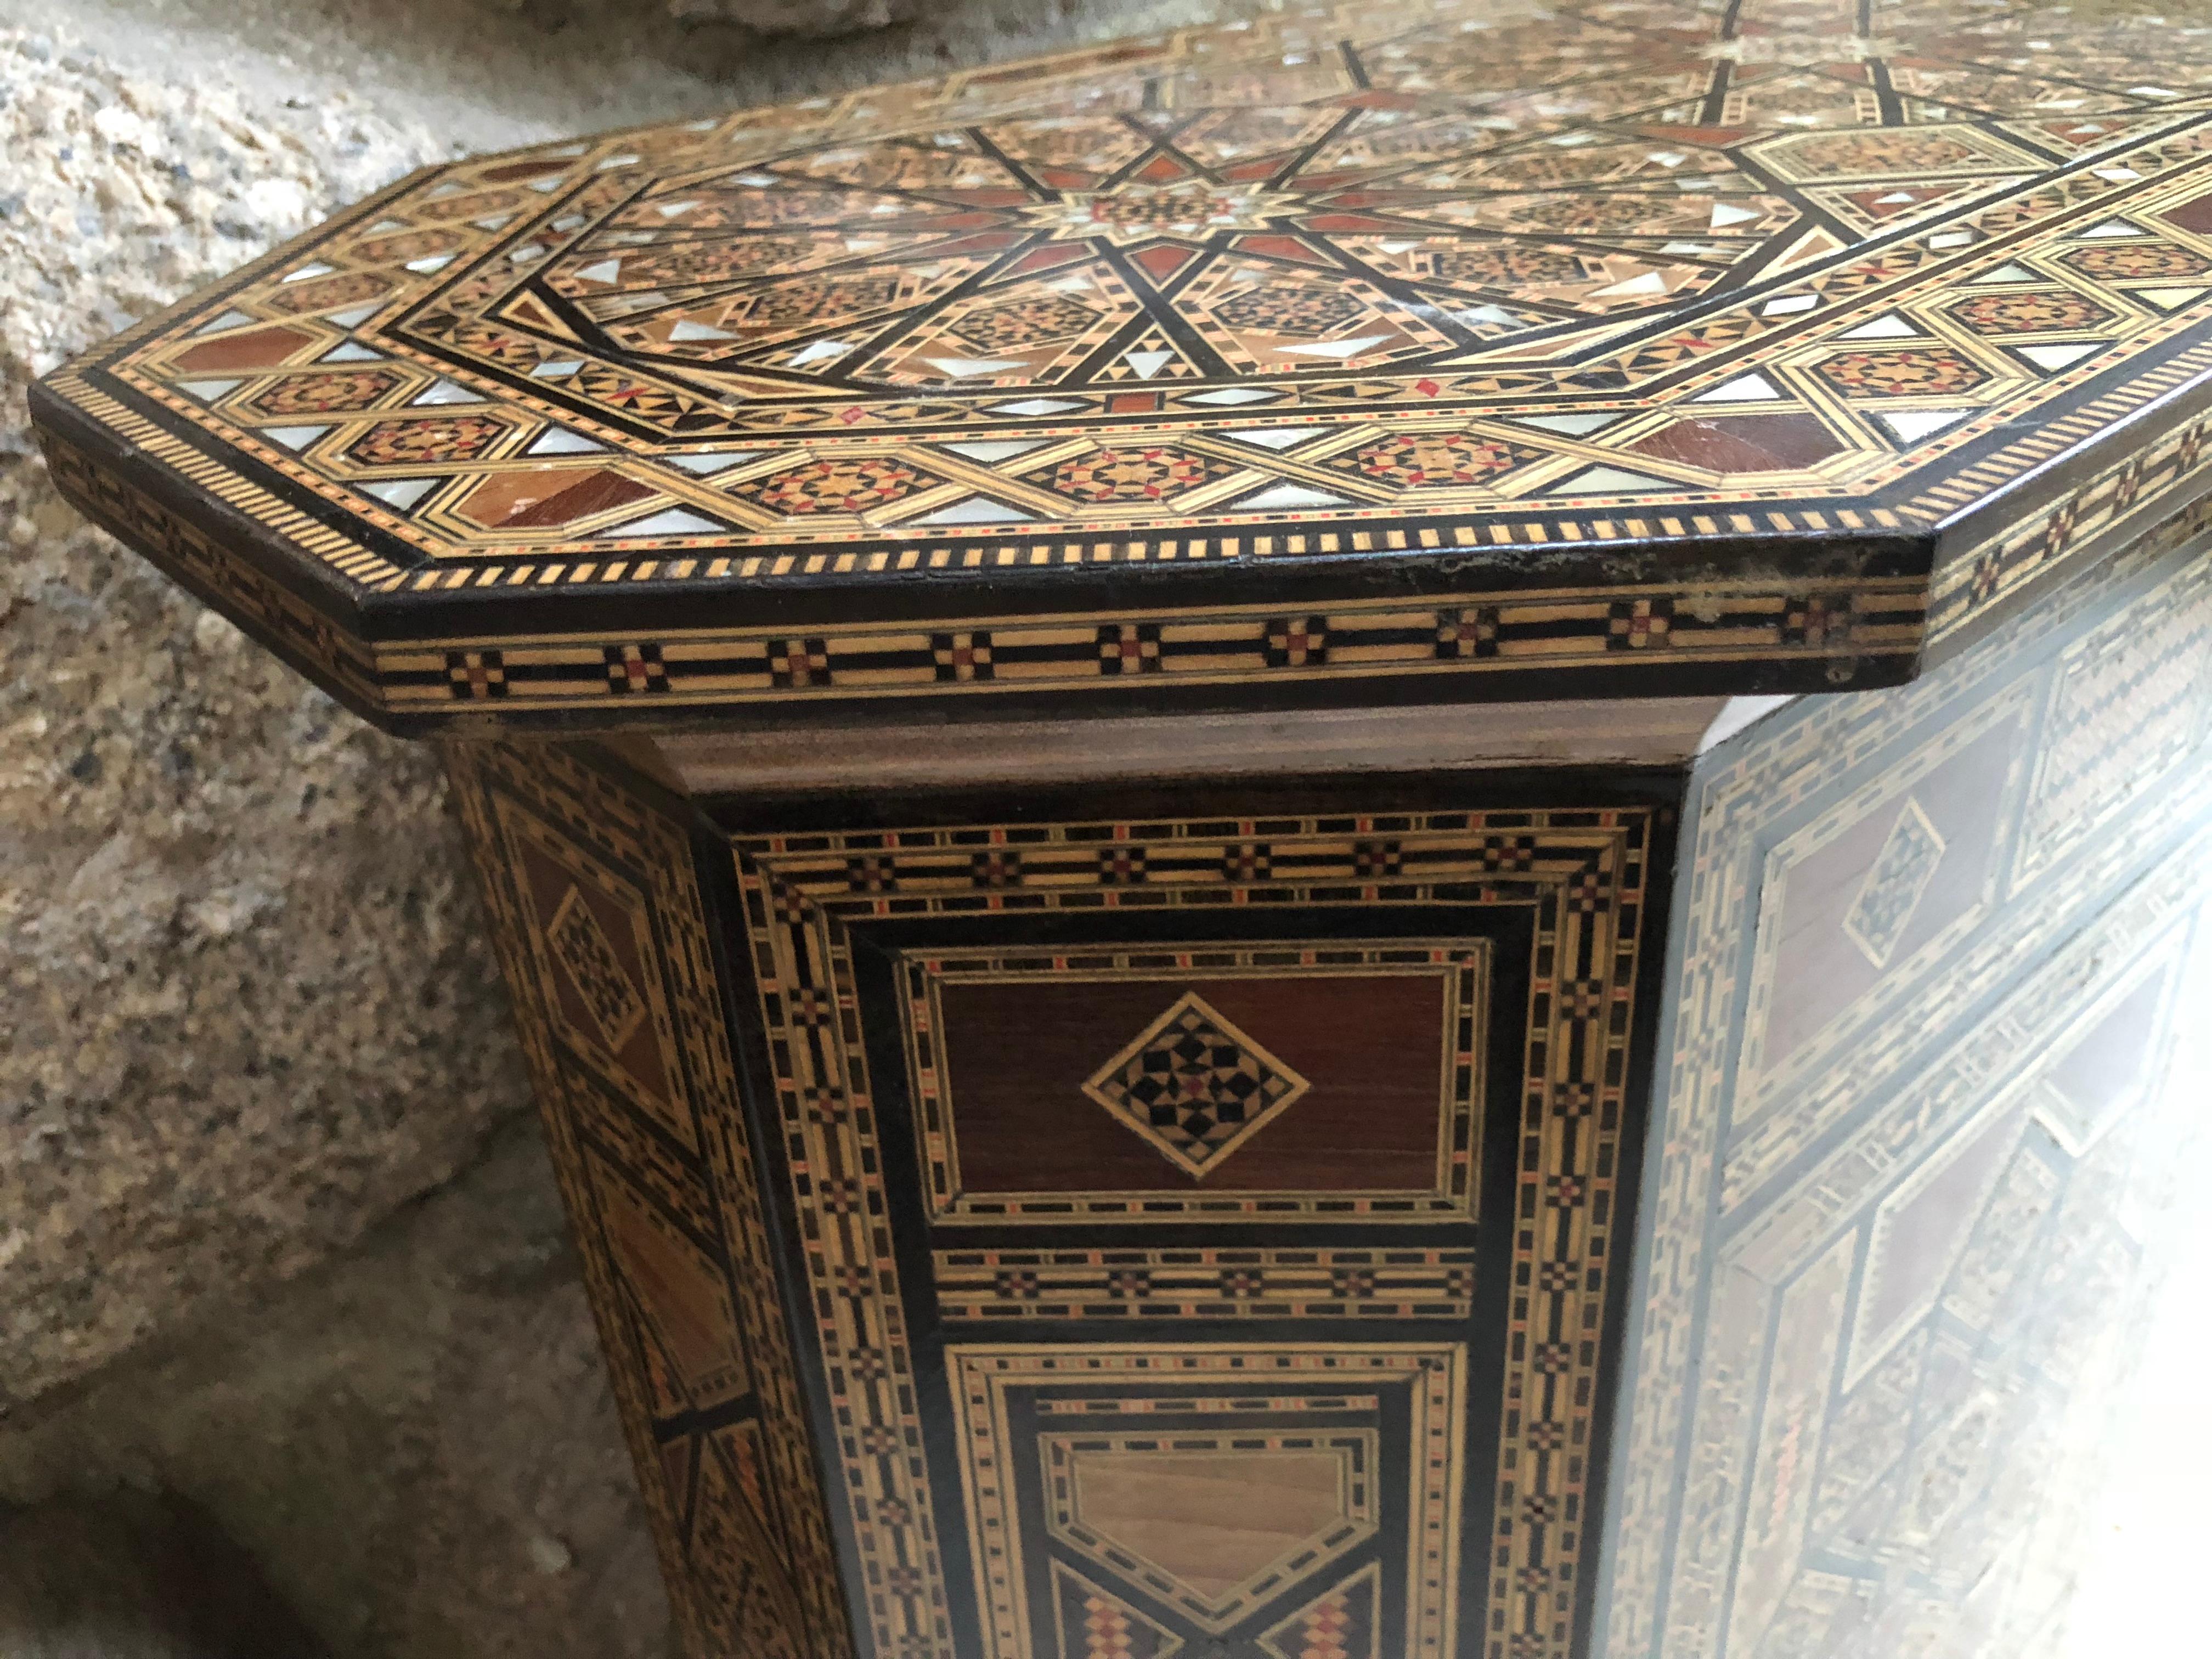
<point x="247" y="1009"/>
<point x="413" y="1443"/>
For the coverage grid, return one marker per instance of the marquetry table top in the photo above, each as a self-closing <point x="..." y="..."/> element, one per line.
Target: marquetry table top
<point x="1459" y="348"/>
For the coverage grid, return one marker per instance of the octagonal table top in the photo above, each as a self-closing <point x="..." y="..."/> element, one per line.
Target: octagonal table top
<point x="1454" y="349"/>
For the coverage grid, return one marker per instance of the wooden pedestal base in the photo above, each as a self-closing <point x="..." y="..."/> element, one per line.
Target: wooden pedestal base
<point x="1663" y="1205"/>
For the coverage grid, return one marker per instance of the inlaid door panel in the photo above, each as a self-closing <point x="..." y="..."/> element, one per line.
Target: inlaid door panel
<point x="1209" y="1226"/>
<point x="1279" y="1136"/>
<point x="1269" y="1498"/>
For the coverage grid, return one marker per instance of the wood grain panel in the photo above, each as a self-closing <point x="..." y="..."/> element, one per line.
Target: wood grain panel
<point x="1377" y="1049"/>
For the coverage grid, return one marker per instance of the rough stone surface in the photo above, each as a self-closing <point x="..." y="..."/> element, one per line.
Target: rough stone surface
<point x="132" y="1575"/>
<point x="246" y="1008"/>
<point x="122" y="193"/>
<point x="416" y="1442"/>
<point x="489" y="73"/>
<point x="799" y="16"/>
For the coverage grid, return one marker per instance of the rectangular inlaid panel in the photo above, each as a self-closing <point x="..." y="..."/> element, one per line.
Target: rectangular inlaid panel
<point x="1340" y="1082"/>
<point x="1178" y="1160"/>
<point x="1159" y="1498"/>
<point x="1911" y="1135"/>
<point x="603" y="931"/>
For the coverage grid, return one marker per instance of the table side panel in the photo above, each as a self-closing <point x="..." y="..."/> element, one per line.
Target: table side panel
<point x="1065" y="1313"/>
<point x="1910" y="1127"/>
<point x="604" y="936"/>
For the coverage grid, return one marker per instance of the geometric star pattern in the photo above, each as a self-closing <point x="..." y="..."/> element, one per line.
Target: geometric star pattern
<point x="580" y="946"/>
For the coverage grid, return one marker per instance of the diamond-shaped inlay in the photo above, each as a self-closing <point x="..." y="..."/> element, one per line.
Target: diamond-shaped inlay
<point x="579" y="944"/>
<point x="1195" y="1086"/>
<point x="1895" y="885"/>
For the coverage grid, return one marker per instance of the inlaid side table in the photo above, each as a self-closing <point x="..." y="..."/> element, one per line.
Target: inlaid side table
<point x="1370" y="837"/>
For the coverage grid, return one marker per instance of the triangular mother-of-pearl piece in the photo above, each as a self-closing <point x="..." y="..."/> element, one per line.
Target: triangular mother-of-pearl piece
<point x="975" y="509"/>
<point x="444" y="392"/>
<point x="991" y="450"/>
<point x="1889" y="327"/>
<point x="2170" y="299"/>
<point x="1651" y="283"/>
<point x="969" y="368"/>
<point x="1579" y="425"/>
<point x="562" y="441"/>
<point x="1751" y="388"/>
<point x="1340" y="349"/>
<point x="674" y="521"/>
<point x="705" y="463"/>
<point x="1609" y="481"/>
<point x="2062" y="354"/>
<point x="400" y="493"/>
<point x="1911" y="425"/>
